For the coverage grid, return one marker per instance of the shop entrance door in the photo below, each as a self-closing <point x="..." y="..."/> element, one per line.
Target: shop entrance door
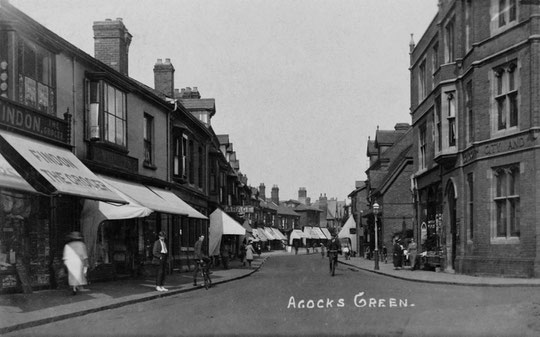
<point x="451" y="197"/>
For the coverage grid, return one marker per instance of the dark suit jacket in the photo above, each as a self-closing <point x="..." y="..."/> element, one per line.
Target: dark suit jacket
<point x="156" y="251"/>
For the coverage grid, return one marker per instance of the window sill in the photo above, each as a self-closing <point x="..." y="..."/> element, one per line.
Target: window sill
<point x="149" y="166"/>
<point x="505" y="241"/>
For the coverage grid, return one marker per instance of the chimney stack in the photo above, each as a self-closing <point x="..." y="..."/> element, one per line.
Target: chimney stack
<point x="262" y="191"/>
<point x="111" y="44"/>
<point x="302" y="195"/>
<point x="164" y="77"/>
<point x="275" y="194"/>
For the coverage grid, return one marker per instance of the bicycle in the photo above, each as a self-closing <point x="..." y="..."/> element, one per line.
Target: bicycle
<point x="204" y="267"/>
<point x="332" y="255"/>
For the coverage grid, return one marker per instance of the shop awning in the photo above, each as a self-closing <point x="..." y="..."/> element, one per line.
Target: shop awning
<point x="297" y="234"/>
<point x="309" y="233"/>
<point x="319" y="232"/>
<point x="53" y="170"/>
<point x="268" y="233"/>
<point x="259" y="234"/>
<point x="221" y="224"/>
<point x="326" y="233"/>
<point x="278" y="234"/>
<point x="177" y="203"/>
<point x="156" y="199"/>
<point x="11" y="179"/>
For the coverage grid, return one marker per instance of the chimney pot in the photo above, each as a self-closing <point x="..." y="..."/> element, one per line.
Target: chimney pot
<point x="167" y="61"/>
<point x="119" y="19"/>
<point x="159" y="61"/>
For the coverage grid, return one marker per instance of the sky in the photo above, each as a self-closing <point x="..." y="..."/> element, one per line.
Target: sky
<point x="299" y="85"/>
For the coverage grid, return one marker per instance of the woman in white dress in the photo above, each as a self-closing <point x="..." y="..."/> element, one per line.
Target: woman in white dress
<point x="76" y="260"/>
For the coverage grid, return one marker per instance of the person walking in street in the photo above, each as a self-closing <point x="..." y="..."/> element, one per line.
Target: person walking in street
<point x="242" y="253"/>
<point x="199" y="256"/>
<point x="76" y="260"/>
<point x="413" y="251"/>
<point x="397" y="255"/>
<point x="160" y="254"/>
<point x="322" y="250"/>
<point x="385" y="254"/>
<point x="249" y="253"/>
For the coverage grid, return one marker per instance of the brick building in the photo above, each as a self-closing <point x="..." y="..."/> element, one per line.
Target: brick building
<point x="475" y="79"/>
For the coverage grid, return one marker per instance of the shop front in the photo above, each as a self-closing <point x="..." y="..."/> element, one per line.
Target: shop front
<point x="42" y="188"/>
<point x="120" y="237"/>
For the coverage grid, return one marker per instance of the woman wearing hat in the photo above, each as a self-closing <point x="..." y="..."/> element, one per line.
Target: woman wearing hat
<point x="160" y="258"/>
<point x="76" y="260"/>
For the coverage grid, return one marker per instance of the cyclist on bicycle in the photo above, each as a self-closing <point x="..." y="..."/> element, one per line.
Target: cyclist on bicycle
<point x="333" y="249"/>
<point x="201" y="260"/>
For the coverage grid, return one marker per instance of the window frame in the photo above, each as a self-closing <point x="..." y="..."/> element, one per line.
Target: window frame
<point x="98" y="119"/>
<point x="505" y="98"/>
<point x="422" y="146"/>
<point x="148" y="139"/>
<point x="26" y="78"/>
<point x="506" y="186"/>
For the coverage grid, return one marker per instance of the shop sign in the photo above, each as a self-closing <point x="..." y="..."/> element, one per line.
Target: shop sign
<point x="9" y="281"/>
<point x="497" y="147"/>
<point x="239" y="209"/>
<point x="25" y="119"/>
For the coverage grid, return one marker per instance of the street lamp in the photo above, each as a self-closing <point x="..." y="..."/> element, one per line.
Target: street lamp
<point x="376" y="254"/>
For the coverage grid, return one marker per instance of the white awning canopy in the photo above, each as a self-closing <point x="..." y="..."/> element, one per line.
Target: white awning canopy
<point x="259" y="234"/>
<point x="11" y="179"/>
<point x="319" y="232"/>
<point x="326" y="232"/>
<point x="221" y="224"/>
<point x="269" y="234"/>
<point x="297" y="234"/>
<point x="156" y="199"/>
<point x="53" y="170"/>
<point x="278" y="234"/>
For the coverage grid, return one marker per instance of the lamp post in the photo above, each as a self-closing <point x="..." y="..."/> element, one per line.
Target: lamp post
<point x="376" y="253"/>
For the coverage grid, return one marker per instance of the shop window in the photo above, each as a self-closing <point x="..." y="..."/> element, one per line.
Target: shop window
<point x="36" y="77"/>
<point x="106" y="113"/>
<point x="507" y="201"/>
<point x="470" y="205"/>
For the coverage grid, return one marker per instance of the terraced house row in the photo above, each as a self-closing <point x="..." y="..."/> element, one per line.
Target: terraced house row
<point x="475" y="109"/>
<point x="86" y="147"/>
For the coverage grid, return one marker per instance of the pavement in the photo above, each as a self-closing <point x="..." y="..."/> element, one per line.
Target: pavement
<point x="20" y="311"/>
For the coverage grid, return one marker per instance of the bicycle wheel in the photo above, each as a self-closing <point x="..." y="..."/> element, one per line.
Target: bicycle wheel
<point x="333" y="266"/>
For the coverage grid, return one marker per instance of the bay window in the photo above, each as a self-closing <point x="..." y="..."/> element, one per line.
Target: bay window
<point x="106" y="113"/>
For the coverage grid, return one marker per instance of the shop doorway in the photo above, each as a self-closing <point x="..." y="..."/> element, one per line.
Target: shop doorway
<point x="451" y="198"/>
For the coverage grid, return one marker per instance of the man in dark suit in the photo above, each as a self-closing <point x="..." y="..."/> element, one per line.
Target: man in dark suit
<point x="160" y="257"/>
<point x="199" y="255"/>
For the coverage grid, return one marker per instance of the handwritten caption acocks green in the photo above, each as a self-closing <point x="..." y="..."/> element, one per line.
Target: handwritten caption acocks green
<point x="359" y="300"/>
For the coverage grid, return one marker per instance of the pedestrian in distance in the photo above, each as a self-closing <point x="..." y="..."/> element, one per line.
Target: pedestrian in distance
<point x="295" y="247"/>
<point x="347" y="253"/>
<point x="385" y="254"/>
<point x="397" y="255"/>
<point x="199" y="256"/>
<point x="75" y="258"/>
<point x="413" y="251"/>
<point x="242" y="253"/>
<point x="322" y="250"/>
<point x="160" y="254"/>
<point x="249" y="253"/>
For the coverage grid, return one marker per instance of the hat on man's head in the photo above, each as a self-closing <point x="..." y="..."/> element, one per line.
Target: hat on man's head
<point x="162" y="233"/>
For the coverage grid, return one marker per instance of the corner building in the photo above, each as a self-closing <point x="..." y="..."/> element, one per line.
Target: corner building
<point x="475" y="106"/>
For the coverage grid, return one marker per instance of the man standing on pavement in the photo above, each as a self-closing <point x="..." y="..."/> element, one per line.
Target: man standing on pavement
<point x="198" y="257"/>
<point x="160" y="258"/>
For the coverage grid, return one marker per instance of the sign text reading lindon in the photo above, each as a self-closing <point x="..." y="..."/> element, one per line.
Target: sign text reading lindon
<point x="359" y="301"/>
